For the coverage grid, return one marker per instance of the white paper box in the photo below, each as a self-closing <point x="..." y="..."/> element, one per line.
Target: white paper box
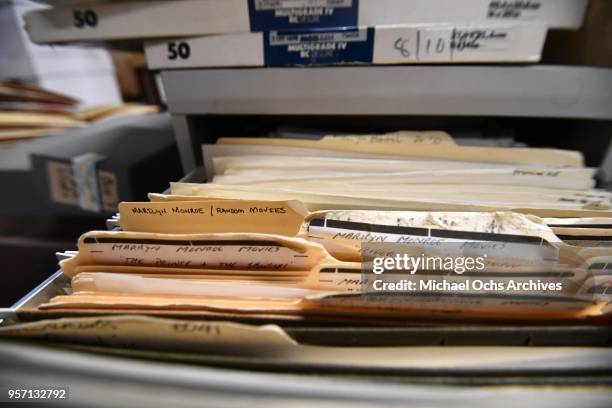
<point x="398" y="44"/>
<point x="162" y="19"/>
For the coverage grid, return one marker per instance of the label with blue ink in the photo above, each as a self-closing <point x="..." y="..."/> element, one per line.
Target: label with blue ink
<point x="345" y="46"/>
<point x="269" y="15"/>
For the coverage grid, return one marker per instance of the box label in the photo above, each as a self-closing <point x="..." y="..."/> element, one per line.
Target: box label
<point x="109" y="190"/>
<point x="318" y="47"/>
<point x="62" y="185"/>
<point x="450" y="44"/>
<point x="268" y="15"/>
<point x="514" y="9"/>
<point x="84" y="169"/>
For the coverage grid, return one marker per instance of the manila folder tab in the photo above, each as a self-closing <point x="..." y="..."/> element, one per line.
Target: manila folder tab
<point x="271" y="217"/>
<point x="212" y="250"/>
<point x="135" y="331"/>
<point x="431" y="144"/>
<point x="395" y="143"/>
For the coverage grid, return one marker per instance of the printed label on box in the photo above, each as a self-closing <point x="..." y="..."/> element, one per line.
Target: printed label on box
<point x="267" y="15"/>
<point x="318" y="48"/>
<point x="109" y="191"/>
<point x="84" y="170"/>
<point x="62" y="185"/>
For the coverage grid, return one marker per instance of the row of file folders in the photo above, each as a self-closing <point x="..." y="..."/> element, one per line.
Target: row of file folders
<point x="290" y="230"/>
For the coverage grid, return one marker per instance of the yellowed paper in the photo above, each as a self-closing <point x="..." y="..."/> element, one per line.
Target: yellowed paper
<point x="362" y="175"/>
<point x="121" y="301"/>
<point x="176" y="286"/>
<point x="200" y="251"/>
<point x="601" y="222"/>
<point x="583" y="232"/>
<point x="549" y="203"/>
<point x="433" y="144"/>
<point x="526" y="306"/>
<point x="30" y="120"/>
<point x="348" y="306"/>
<point x="270" y="343"/>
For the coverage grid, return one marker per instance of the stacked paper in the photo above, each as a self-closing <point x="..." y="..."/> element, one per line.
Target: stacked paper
<point x="28" y="112"/>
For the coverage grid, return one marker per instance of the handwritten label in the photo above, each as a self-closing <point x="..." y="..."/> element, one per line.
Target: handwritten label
<point x="538" y="173"/>
<point x="211" y="254"/>
<point x="398" y="138"/>
<point x="450" y="44"/>
<point x="513" y="9"/>
<point x="135" y="332"/>
<point x="273" y="217"/>
<point x="475" y="38"/>
<point x="344" y="241"/>
<point x="191" y="327"/>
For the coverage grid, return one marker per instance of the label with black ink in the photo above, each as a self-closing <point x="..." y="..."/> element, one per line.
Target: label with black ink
<point x="513" y="9"/>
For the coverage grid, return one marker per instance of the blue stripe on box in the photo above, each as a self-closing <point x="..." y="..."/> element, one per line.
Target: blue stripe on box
<point x="270" y="15"/>
<point x="319" y="47"/>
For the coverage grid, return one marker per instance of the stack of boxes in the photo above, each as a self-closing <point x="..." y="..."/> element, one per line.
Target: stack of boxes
<point x="233" y="33"/>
